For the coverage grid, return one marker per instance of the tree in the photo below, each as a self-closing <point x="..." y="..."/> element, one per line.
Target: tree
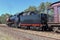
<point x="47" y="5"/>
<point x="31" y="8"/>
<point x="41" y="7"/>
<point x="3" y="18"/>
<point x="0" y="20"/>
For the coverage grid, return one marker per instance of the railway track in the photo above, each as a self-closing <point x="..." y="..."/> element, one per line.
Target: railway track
<point x="45" y="34"/>
<point x="28" y="34"/>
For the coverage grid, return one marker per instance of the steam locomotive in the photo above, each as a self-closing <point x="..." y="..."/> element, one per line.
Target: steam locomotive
<point x="30" y="19"/>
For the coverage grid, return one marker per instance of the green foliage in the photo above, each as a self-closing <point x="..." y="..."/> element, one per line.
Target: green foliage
<point x="41" y="7"/>
<point x="3" y="18"/>
<point x="47" y="4"/>
<point x="0" y="20"/>
<point x="31" y="8"/>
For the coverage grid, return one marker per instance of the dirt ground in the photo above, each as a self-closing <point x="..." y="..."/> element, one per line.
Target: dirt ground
<point x="5" y="37"/>
<point x="8" y="33"/>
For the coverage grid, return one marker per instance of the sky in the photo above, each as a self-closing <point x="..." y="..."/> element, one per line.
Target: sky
<point x="16" y="6"/>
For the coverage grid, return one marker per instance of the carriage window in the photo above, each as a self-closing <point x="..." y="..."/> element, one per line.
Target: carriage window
<point x="59" y="13"/>
<point x="50" y="15"/>
<point x="59" y="10"/>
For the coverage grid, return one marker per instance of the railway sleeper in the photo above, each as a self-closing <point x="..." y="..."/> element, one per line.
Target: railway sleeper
<point x="55" y="28"/>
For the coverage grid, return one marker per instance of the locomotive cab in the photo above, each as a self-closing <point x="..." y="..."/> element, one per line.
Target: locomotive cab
<point x="44" y="18"/>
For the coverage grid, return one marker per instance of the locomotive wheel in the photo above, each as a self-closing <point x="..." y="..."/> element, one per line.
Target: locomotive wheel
<point x="31" y="27"/>
<point x="19" y="25"/>
<point x="40" y="29"/>
<point x="55" y="29"/>
<point x="15" y="25"/>
<point x="9" y="24"/>
<point x="45" y="28"/>
<point x="28" y="27"/>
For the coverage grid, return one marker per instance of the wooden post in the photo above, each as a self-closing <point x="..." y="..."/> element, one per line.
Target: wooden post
<point x="56" y="15"/>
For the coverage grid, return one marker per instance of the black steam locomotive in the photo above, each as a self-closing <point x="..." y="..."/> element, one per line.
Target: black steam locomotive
<point x="30" y="19"/>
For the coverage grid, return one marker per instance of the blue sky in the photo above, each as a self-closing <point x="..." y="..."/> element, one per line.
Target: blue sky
<point x="16" y="6"/>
